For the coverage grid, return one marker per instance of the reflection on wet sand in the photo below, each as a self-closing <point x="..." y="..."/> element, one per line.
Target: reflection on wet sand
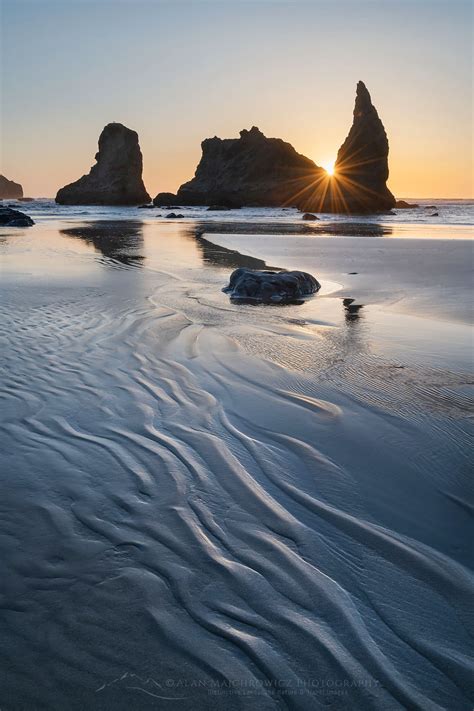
<point x="215" y="255"/>
<point x="345" y="229"/>
<point x="116" y="240"/>
<point x="351" y="310"/>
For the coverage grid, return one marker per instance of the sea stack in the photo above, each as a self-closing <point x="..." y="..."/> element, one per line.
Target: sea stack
<point x="116" y="178"/>
<point x="256" y="171"/>
<point x="10" y="190"/>
<point x="251" y="170"/>
<point x="359" y="182"/>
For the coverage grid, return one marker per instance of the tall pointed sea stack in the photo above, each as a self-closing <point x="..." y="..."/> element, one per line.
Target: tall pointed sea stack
<point x="116" y="178"/>
<point x="359" y="183"/>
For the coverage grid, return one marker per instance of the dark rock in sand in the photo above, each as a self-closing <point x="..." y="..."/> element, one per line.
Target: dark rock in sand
<point x="309" y="216"/>
<point x="270" y="287"/>
<point x="173" y="216"/>
<point x="116" y="178"/>
<point x="164" y="199"/>
<point x="14" y="218"/>
<point x="403" y="205"/>
<point x="10" y="190"/>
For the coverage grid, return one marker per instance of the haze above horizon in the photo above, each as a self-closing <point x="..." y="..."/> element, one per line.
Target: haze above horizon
<point x="178" y="72"/>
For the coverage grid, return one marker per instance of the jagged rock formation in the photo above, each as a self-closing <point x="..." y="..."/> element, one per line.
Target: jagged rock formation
<point x="359" y="182"/>
<point x="14" y="218"/>
<point x="270" y="287"/>
<point x="116" y="178"/>
<point x="254" y="170"/>
<point x="10" y="190"/>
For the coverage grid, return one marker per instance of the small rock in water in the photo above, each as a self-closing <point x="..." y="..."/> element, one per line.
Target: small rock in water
<point x="309" y="216"/>
<point x="435" y="214"/>
<point x="173" y="216"/>
<point x="270" y="287"/>
<point x="215" y="208"/>
<point x="14" y="218"/>
<point x="404" y="205"/>
<point x="430" y="207"/>
<point x="146" y="207"/>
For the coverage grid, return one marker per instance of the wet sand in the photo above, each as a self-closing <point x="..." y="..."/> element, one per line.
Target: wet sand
<point x="218" y="506"/>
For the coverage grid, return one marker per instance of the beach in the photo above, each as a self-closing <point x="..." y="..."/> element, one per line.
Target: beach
<point x="219" y="505"/>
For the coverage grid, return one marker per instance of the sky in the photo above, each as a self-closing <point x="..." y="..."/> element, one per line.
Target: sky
<point x="178" y="71"/>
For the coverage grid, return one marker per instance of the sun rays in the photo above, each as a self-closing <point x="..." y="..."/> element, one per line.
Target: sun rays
<point x="329" y="167"/>
<point x="330" y="189"/>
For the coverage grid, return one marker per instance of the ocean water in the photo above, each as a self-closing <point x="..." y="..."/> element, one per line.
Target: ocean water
<point x="452" y="213"/>
<point x="207" y="505"/>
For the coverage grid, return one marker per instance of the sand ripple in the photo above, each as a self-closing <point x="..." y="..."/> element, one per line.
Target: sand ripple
<point x="185" y="525"/>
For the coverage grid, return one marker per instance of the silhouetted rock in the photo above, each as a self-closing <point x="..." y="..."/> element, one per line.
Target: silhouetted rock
<point x="435" y="214"/>
<point x="358" y="184"/>
<point x="146" y="207"/>
<point x="309" y="216"/>
<point x="252" y="170"/>
<point x="10" y="190"/>
<point x="256" y="171"/>
<point x="270" y="287"/>
<point x="221" y="208"/>
<point x="403" y="205"/>
<point x="26" y="199"/>
<point x="164" y="199"/>
<point x="173" y="216"/>
<point x="116" y="178"/>
<point x="14" y="218"/>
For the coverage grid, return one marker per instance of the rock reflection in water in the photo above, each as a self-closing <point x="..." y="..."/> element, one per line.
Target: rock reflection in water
<point x="351" y="310"/>
<point x="216" y="255"/>
<point x="116" y="240"/>
<point x="333" y="228"/>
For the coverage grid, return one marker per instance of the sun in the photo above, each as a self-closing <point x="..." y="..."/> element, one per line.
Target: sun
<point x="329" y="167"/>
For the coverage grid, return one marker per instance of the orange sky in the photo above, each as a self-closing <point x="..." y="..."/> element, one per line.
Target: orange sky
<point x="180" y="72"/>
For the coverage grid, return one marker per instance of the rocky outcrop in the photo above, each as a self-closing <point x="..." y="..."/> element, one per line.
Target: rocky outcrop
<point x="116" y="178"/>
<point x="270" y="287"/>
<point x="10" y="190"/>
<point x="359" y="182"/>
<point x="165" y="199"/>
<point x="254" y="170"/>
<point x="14" y="218"/>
